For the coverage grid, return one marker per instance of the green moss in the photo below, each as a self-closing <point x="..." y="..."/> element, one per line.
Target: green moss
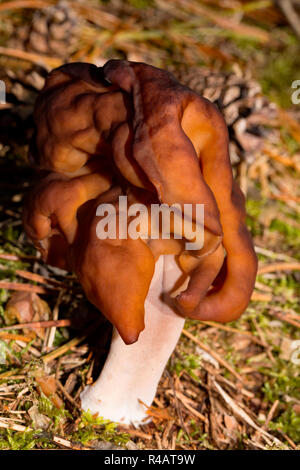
<point x="289" y="423"/>
<point x="283" y="380"/>
<point x="57" y="415"/>
<point x="14" y="440"/>
<point x="188" y="362"/>
<point x="92" y="427"/>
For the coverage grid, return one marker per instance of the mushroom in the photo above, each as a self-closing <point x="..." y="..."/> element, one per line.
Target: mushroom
<point x="131" y="129"/>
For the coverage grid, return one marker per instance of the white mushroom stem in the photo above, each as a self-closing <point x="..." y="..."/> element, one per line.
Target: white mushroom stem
<point x="131" y="373"/>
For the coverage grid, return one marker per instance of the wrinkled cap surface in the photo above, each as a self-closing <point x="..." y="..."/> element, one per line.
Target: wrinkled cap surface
<point x="132" y="129"/>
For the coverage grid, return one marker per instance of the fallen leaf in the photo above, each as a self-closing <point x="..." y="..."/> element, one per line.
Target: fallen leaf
<point x="25" y="307"/>
<point x="47" y="385"/>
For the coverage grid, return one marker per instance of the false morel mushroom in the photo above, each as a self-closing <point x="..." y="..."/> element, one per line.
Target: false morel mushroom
<point x="130" y="129"/>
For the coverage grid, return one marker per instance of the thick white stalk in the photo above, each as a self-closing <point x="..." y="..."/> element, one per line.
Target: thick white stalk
<point x="131" y="372"/>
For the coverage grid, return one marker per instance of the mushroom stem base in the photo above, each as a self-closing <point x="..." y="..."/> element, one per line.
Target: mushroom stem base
<point x="129" y="379"/>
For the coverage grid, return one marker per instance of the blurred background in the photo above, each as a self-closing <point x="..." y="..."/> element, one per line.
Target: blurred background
<point x="233" y="386"/>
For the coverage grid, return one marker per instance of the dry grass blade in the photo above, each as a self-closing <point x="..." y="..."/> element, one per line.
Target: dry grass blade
<point x="14" y="337"/>
<point x="260" y="297"/>
<point x="97" y="16"/>
<point x="286" y="318"/>
<point x="63" y="349"/>
<point x="270" y="268"/>
<point x="212" y="353"/>
<point x="38" y="278"/>
<point x="186" y="402"/>
<point x="51" y="335"/>
<point x="24" y="287"/>
<point x="16" y="5"/>
<point x="10" y="257"/>
<point x="285" y="160"/>
<point x="244" y="416"/>
<point x="67" y="395"/>
<point x="49" y="62"/>
<point x="220" y="326"/>
<point x="226" y="23"/>
<point x="38" y="324"/>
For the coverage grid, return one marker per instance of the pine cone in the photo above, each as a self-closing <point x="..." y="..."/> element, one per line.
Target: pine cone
<point x="240" y="100"/>
<point x="53" y="31"/>
<point x="22" y="87"/>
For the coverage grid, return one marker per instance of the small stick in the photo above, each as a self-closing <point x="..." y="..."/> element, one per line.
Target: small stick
<point x="38" y="278"/>
<point x="24" y="287"/>
<point x="292" y="443"/>
<point x="136" y="433"/>
<point x="270" y="414"/>
<point x="285" y="318"/>
<point x="6" y="374"/>
<point x="243" y="415"/>
<point x="63" y="349"/>
<point x="269" y="268"/>
<point x="51" y="335"/>
<point x="38" y="324"/>
<point x="220" y="326"/>
<point x="286" y="161"/>
<point x="185" y="401"/>
<point x="11" y="257"/>
<point x="213" y="354"/>
<point x="66" y="394"/>
<point x="14" y="337"/>
<point x="272" y="254"/>
<point x="50" y="62"/>
<point x="177" y="405"/>
<point x="260" y="297"/>
<point x="14" y="5"/>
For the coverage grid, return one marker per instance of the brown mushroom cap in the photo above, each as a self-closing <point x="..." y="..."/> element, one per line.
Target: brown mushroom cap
<point x="110" y="131"/>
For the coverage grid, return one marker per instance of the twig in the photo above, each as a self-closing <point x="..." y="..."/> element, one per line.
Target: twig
<point x="136" y="433"/>
<point x="272" y="254"/>
<point x="269" y="268"/>
<point x="11" y="257"/>
<point x="177" y="405"/>
<point x="51" y="335"/>
<point x="213" y="354"/>
<point x="220" y="326"/>
<point x="185" y="401"/>
<point x="15" y="5"/>
<point x="24" y="287"/>
<point x="14" y="337"/>
<point x="63" y="349"/>
<point x="243" y="415"/>
<point x="291" y="14"/>
<point x="271" y="414"/>
<point x="261" y="297"/>
<point x="286" y="161"/>
<point x="224" y="22"/>
<point x="49" y="62"/>
<point x="285" y="318"/>
<point x="289" y="440"/>
<point x="66" y="394"/>
<point x="38" y="278"/>
<point x="98" y="16"/>
<point x="38" y="324"/>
